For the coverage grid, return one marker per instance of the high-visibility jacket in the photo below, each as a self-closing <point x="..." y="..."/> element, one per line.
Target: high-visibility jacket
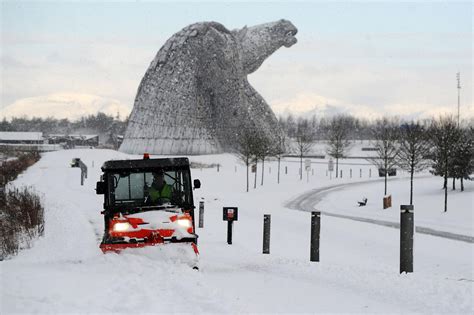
<point x="156" y="194"/>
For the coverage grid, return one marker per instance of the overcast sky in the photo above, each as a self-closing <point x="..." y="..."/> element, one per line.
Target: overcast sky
<point x="366" y="58"/>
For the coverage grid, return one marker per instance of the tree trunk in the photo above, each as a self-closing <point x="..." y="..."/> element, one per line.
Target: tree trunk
<point x="263" y="169"/>
<point x="411" y="185"/>
<point x="454" y="183"/>
<point x="301" y="167"/>
<point x="446" y="187"/>
<point x="446" y="199"/>
<point x="462" y="184"/>
<point x="337" y="166"/>
<point x="278" y="170"/>
<point x="386" y="175"/>
<point x="255" y="180"/>
<point x="247" y="175"/>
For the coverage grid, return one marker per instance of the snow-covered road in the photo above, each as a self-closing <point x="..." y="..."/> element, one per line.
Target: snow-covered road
<point x="65" y="272"/>
<point x="310" y="200"/>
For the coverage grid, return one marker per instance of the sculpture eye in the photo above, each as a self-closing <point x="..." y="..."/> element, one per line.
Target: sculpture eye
<point x="290" y="33"/>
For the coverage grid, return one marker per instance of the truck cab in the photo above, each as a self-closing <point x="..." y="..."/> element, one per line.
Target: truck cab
<point x="134" y="216"/>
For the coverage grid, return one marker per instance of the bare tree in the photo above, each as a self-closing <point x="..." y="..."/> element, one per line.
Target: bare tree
<point x="304" y="142"/>
<point x="338" y="137"/>
<point x="444" y="137"/>
<point x="462" y="164"/>
<point x="279" y="150"/>
<point x="414" y="148"/>
<point x="263" y="150"/>
<point x="385" y="135"/>
<point x="245" y="149"/>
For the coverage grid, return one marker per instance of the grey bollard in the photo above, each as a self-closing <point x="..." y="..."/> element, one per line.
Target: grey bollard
<point x="201" y="214"/>
<point x="266" y="233"/>
<point x="406" y="238"/>
<point x="286" y="169"/>
<point x="350" y="173"/>
<point x="315" y="232"/>
<point x="360" y="173"/>
<point x="370" y="172"/>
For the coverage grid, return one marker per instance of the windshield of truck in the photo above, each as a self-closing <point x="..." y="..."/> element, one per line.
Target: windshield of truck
<point x="150" y="188"/>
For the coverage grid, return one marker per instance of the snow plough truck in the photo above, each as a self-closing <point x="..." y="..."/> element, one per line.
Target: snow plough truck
<point x="148" y="202"/>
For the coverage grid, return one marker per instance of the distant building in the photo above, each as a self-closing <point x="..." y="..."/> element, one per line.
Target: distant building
<point x="71" y="141"/>
<point x="16" y="137"/>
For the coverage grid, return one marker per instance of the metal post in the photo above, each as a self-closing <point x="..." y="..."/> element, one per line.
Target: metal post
<point x="269" y="170"/>
<point x="229" y="232"/>
<point x="370" y="172"/>
<point x="406" y="238"/>
<point x="326" y="173"/>
<point x="312" y="172"/>
<point x="218" y="167"/>
<point x="315" y="232"/>
<point x="341" y="174"/>
<point x="266" y="233"/>
<point x="360" y="173"/>
<point x="201" y="214"/>
<point x="350" y="173"/>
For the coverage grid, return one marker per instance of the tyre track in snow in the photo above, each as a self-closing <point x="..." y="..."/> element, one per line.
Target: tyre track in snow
<point x="308" y="200"/>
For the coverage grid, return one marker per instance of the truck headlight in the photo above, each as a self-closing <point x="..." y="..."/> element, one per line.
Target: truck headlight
<point x="186" y="223"/>
<point x="121" y="226"/>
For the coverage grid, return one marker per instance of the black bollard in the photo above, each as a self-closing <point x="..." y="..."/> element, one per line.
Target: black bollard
<point x="201" y="214"/>
<point x="286" y="169"/>
<point x="406" y="238"/>
<point x="230" y="225"/>
<point x="266" y="233"/>
<point x="315" y="232"/>
<point x="341" y="174"/>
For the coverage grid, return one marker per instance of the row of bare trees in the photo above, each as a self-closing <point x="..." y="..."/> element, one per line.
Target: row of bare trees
<point x="412" y="146"/>
<point x="252" y="147"/>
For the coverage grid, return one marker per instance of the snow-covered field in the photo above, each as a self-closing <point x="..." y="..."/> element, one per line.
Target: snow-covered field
<point x="65" y="272"/>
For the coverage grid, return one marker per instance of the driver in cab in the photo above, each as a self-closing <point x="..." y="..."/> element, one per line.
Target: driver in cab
<point x="159" y="191"/>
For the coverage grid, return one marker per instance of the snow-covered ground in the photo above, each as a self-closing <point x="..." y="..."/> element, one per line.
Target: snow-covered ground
<point x="65" y="272"/>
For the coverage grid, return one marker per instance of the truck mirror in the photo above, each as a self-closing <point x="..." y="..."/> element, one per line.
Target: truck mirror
<point x="197" y="184"/>
<point x="100" y="188"/>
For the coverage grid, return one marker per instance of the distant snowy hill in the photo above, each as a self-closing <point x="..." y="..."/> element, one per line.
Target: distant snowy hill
<point x="64" y="105"/>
